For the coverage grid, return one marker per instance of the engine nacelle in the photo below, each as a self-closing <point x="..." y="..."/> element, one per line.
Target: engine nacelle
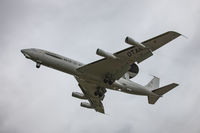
<point x="133" y="71"/>
<point x="100" y="52"/>
<point x="134" y="43"/>
<point x="78" y="95"/>
<point x="86" y="105"/>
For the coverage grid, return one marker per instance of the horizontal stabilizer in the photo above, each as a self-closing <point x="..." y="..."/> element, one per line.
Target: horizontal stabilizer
<point x="165" y="89"/>
<point x="159" y="92"/>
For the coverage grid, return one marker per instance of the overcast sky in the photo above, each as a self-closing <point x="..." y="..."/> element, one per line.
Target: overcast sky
<point x="39" y="100"/>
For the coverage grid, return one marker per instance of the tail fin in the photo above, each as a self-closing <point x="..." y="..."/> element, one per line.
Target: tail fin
<point x="153" y="84"/>
<point x="159" y="92"/>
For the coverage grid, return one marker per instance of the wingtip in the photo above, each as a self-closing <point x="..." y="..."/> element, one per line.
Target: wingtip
<point x="175" y="84"/>
<point x="100" y="111"/>
<point x="174" y="32"/>
<point x="178" y="34"/>
<point x="185" y="36"/>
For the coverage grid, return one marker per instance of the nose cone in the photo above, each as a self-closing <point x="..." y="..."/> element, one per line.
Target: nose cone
<point x="23" y="51"/>
<point x="26" y="53"/>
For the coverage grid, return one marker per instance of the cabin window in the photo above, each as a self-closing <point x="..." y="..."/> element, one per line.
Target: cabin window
<point x="53" y="55"/>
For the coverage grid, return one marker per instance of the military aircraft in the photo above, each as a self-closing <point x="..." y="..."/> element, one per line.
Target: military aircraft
<point x="113" y="71"/>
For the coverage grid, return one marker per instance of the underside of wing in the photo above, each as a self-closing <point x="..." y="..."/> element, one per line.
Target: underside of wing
<point x="89" y="90"/>
<point x="159" y="41"/>
<point x="138" y="52"/>
<point x="99" y="69"/>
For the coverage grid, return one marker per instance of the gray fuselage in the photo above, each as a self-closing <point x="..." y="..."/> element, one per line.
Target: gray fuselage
<point x="70" y="66"/>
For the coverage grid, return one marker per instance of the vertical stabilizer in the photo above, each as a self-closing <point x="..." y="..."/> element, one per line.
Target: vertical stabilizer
<point x="153" y="84"/>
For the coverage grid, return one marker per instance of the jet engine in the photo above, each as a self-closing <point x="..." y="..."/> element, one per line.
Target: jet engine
<point x="133" y="71"/>
<point x="78" y="95"/>
<point x="103" y="53"/>
<point x="134" y="43"/>
<point x="86" y="105"/>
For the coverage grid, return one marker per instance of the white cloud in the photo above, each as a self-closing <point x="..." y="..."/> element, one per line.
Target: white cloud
<point x="33" y="100"/>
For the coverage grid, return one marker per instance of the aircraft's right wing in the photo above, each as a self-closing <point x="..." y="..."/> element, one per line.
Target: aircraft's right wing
<point x="88" y="90"/>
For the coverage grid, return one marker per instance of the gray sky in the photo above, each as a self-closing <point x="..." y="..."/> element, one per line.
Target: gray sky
<point x="39" y="100"/>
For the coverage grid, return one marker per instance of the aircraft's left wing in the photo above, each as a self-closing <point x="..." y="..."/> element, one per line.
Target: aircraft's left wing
<point x="115" y="67"/>
<point x="137" y="53"/>
<point x="88" y="90"/>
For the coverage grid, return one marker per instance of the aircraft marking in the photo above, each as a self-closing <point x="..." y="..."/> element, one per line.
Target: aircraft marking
<point x="133" y="51"/>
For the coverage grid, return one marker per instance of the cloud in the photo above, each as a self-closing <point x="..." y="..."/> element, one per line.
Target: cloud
<point x="39" y="100"/>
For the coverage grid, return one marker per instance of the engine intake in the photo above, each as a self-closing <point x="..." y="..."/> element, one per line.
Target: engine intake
<point x="86" y="105"/>
<point x="133" y="71"/>
<point x="134" y="68"/>
<point x="78" y="95"/>
<point x="131" y="41"/>
<point x="103" y="53"/>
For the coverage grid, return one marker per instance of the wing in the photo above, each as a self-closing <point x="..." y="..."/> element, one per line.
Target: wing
<point x="100" y="68"/>
<point x="151" y="45"/>
<point x="88" y="90"/>
<point x="159" y="41"/>
<point x="117" y="68"/>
